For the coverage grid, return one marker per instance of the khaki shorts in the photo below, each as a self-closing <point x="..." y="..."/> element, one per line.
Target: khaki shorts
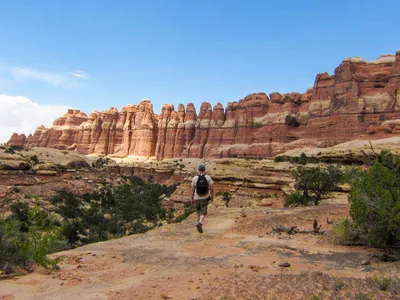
<point x="201" y="206"/>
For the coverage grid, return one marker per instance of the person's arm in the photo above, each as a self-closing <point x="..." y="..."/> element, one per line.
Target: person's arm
<point x="193" y="189"/>
<point x="211" y="184"/>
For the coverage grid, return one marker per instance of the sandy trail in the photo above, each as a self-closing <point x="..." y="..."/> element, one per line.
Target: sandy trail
<point x="176" y="262"/>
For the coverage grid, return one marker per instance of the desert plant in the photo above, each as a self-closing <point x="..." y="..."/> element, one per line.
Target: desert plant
<point x="41" y="238"/>
<point x="9" y="150"/>
<point x="345" y="231"/>
<point x="132" y="206"/>
<point x="256" y="125"/>
<point x="187" y="212"/>
<point x="361" y="296"/>
<point x="278" y="159"/>
<point x="27" y="236"/>
<point x="375" y="201"/>
<point x="101" y="162"/>
<point x="312" y="184"/>
<point x="385" y="283"/>
<point x="10" y="239"/>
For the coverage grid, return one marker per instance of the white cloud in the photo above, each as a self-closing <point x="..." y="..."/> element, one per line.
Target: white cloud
<point x="21" y="115"/>
<point x="50" y="78"/>
<point x="79" y="75"/>
<point x="23" y="73"/>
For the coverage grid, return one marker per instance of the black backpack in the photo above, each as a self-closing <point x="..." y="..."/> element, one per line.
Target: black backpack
<point x="202" y="185"/>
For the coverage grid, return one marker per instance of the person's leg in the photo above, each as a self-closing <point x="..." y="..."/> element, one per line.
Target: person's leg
<point x="201" y="218"/>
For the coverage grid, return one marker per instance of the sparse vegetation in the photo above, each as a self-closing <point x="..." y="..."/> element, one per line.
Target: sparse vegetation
<point x="361" y="296"/>
<point x="344" y="231"/>
<point x="11" y="149"/>
<point x="29" y="234"/>
<point x="226" y="196"/>
<point x="313" y="184"/>
<point x="188" y="210"/>
<point x="256" y="125"/>
<point x="303" y="159"/>
<point x="386" y="283"/>
<point x="101" y="162"/>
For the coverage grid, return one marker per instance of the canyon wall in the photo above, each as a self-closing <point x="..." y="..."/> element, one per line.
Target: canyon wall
<point x="361" y="100"/>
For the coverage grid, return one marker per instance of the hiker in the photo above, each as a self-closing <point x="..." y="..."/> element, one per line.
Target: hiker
<point x="202" y="192"/>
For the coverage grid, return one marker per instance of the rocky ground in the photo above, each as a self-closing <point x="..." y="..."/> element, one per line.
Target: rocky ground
<point x="237" y="257"/>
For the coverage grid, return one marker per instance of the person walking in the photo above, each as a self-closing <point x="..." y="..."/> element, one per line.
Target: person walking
<point x="202" y="193"/>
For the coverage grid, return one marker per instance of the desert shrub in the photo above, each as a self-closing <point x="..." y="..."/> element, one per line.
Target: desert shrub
<point x="42" y="238"/>
<point x="375" y="201"/>
<point x="385" y="283"/>
<point x="27" y="236"/>
<point x="361" y="296"/>
<point x="101" y="162"/>
<point x="278" y="159"/>
<point x="303" y="159"/>
<point x="9" y="150"/>
<point x="10" y="239"/>
<point x="78" y="164"/>
<point x="226" y="196"/>
<point x="12" y="149"/>
<point x="34" y="160"/>
<point x="313" y="184"/>
<point x="297" y="198"/>
<point x="187" y="212"/>
<point x="345" y="231"/>
<point x="130" y="207"/>
<point x="256" y="125"/>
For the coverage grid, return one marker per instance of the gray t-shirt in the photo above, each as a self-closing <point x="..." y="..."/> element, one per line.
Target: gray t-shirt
<point x="194" y="183"/>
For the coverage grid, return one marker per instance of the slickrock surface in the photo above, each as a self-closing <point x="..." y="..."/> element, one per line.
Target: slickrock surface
<point x="360" y="100"/>
<point x="235" y="258"/>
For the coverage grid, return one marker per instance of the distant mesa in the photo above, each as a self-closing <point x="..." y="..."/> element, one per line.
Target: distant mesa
<point x="361" y="100"/>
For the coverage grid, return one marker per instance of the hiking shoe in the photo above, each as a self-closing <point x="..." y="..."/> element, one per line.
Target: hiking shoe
<point x="199" y="227"/>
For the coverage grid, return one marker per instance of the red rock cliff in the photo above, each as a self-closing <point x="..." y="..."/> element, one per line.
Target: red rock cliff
<point x="360" y="100"/>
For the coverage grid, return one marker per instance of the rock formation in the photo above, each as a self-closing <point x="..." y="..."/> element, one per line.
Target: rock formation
<point x="360" y="100"/>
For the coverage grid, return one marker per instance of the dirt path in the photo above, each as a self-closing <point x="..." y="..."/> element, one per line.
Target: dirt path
<point x="227" y="261"/>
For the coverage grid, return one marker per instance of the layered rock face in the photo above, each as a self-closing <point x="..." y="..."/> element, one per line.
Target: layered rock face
<point x="360" y="100"/>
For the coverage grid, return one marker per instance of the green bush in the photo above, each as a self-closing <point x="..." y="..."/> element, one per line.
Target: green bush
<point x="128" y="208"/>
<point x="29" y="234"/>
<point x="375" y="201"/>
<point x="313" y="184"/>
<point x="10" y="239"/>
<point x="27" y="237"/>
<point x="42" y="238"/>
<point x="278" y="159"/>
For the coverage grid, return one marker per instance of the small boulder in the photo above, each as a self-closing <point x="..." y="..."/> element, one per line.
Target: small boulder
<point x="284" y="265"/>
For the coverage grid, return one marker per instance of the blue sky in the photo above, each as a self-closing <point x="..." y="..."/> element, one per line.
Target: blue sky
<point x="96" y="54"/>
